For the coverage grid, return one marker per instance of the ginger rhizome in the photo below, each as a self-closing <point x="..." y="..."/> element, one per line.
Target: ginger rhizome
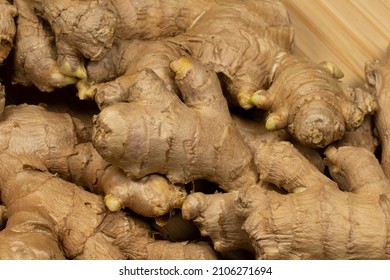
<point x="7" y="28"/>
<point x="314" y="106"/>
<point x="53" y="32"/>
<point x="49" y="218"/>
<point x="57" y="140"/>
<point x="142" y="137"/>
<point x="378" y="77"/>
<point x="317" y="218"/>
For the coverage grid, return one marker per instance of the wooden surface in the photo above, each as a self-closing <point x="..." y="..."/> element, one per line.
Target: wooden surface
<point x="346" y="32"/>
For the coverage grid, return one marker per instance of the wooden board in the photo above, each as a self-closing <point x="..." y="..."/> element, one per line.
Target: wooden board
<point x="346" y="32"/>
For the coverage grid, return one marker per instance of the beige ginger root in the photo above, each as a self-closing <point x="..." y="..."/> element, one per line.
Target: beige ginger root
<point x="56" y="139"/>
<point x="54" y="36"/>
<point x="145" y="136"/>
<point x="249" y="43"/>
<point x="7" y="28"/>
<point x="49" y="218"/>
<point x="378" y="77"/>
<point x="53" y="31"/>
<point x="316" y="220"/>
<point x="111" y="79"/>
<point x="315" y="107"/>
<point x="215" y="216"/>
<point x="3" y="216"/>
<point x="321" y="221"/>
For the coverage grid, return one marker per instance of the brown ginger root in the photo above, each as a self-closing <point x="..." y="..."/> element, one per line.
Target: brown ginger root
<point x="186" y="141"/>
<point x="250" y="43"/>
<point x="378" y="77"/>
<point x="321" y="222"/>
<point x="111" y="78"/>
<point x="54" y="36"/>
<point x="35" y="54"/>
<point x="7" y="28"/>
<point x="311" y="103"/>
<point x="364" y="136"/>
<point x="3" y="216"/>
<point x="49" y="218"/>
<point x="240" y="39"/>
<point x="215" y="216"/>
<point x="255" y="134"/>
<point x="55" y="139"/>
<point x="63" y="40"/>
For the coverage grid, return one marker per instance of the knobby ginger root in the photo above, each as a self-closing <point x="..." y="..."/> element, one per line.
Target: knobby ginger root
<point x="54" y="36"/>
<point x="378" y="77"/>
<point x="54" y="32"/>
<point x="35" y="54"/>
<point x="255" y="134"/>
<point x="111" y="79"/>
<point x="3" y="216"/>
<point x="49" y="218"/>
<point x="7" y="28"/>
<point x="215" y="216"/>
<point x="159" y="133"/>
<point x="315" y="107"/>
<point x="321" y="222"/>
<point x="54" y="139"/>
<point x="364" y="136"/>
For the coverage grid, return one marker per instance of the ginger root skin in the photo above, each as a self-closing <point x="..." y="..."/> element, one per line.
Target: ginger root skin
<point x="113" y="78"/>
<point x="142" y="137"/>
<point x="55" y="139"/>
<point x="215" y="216"/>
<point x="7" y="28"/>
<point x="316" y="108"/>
<point x="49" y="218"/>
<point x="378" y="78"/>
<point x="292" y="226"/>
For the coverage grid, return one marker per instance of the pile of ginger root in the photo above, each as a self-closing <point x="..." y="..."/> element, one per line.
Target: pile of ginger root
<point x="184" y="130"/>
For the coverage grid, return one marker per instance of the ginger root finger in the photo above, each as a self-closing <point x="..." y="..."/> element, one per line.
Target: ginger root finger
<point x="315" y="108"/>
<point x="346" y="168"/>
<point x="111" y="79"/>
<point x="71" y="222"/>
<point x="284" y="166"/>
<point x="35" y="55"/>
<point x="142" y="137"/>
<point x="55" y="139"/>
<point x="378" y="78"/>
<point x="215" y="216"/>
<point x="7" y="28"/>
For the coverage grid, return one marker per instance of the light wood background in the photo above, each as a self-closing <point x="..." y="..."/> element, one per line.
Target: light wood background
<point x="346" y="32"/>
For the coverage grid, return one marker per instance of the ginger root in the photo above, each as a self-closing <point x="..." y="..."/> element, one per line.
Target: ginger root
<point x="54" y="139"/>
<point x="49" y="218"/>
<point x="315" y="108"/>
<point x="378" y="77"/>
<point x="7" y="28"/>
<point x="321" y="222"/>
<point x="142" y="137"/>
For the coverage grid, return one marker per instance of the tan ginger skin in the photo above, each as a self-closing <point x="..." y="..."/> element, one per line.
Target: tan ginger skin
<point x="49" y="218"/>
<point x="142" y="137"/>
<point x="7" y="28"/>
<point x="323" y="222"/>
<point x="68" y="40"/>
<point x="378" y="77"/>
<point x="256" y="66"/>
<point x="248" y="42"/>
<point x="316" y="220"/>
<point x="55" y="138"/>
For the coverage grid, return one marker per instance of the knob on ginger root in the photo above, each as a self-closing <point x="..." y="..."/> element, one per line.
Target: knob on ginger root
<point x="159" y="133"/>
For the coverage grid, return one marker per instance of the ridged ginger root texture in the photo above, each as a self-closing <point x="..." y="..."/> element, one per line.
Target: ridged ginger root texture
<point x="159" y="133"/>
